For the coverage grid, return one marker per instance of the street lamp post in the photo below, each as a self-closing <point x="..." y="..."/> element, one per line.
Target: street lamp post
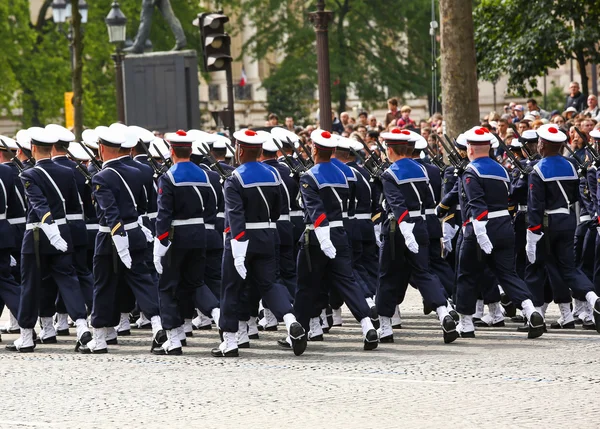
<point x="116" y="23"/>
<point x="320" y="20"/>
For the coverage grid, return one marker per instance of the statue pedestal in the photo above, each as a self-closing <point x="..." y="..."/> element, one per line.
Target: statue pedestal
<point x="161" y="90"/>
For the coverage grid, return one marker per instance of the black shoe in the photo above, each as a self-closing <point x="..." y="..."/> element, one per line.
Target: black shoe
<point x="86" y="351"/>
<point x="454" y="315"/>
<point x="159" y="339"/>
<point x="245" y="345"/>
<point x="316" y="338"/>
<point x="523" y="328"/>
<point x="329" y="315"/>
<point x="387" y="339"/>
<point x="253" y="336"/>
<point x="216" y="352"/>
<point x="133" y="317"/>
<point x="427" y="308"/>
<point x="183" y="343"/>
<point x="578" y="321"/>
<point x="283" y="343"/>
<point x="509" y="308"/>
<point x="397" y="326"/>
<point x="49" y="340"/>
<point x="271" y="328"/>
<point x="146" y="326"/>
<point x="597" y="315"/>
<point x="374" y="317"/>
<point x="298" y="337"/>
<point x="63" y="332"/>
<point x="556" y="325"/>
<point x="371" y="340"/>
<point x="325" y="330"/>
<point x="113" y="342"/>
<point x="536" y="325"/>
<point x="124" y="333"/>
<point x="482" y="324"/>
<point x="85" y="338"/>
<point x="13" y="348"/>
<point x="470" y="334"/>
<point x="588" y="326"/>
<point x="10" y="331"/>
<point x="476" y="319"/>
<point x="173" y="352"/>
<point x="518" y="319"/>
<point x="189" y="334"/>
<point x="202" y="328"/>
<point x="449" y="328"/>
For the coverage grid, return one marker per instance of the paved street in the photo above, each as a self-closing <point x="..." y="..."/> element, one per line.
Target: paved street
<point x="498" y="379"/>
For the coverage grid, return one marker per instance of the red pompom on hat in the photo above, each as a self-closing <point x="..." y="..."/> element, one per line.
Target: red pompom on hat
<point x="181" y="133"/>
<point x="397" y="136"/>
<point x="478" y="136"/>
<point x="323" y="139"/>
<point x="250" y="133"/>
<point x="326" y="134"/>
<point x="551" y="134"/>
<point x="248" y="137"/>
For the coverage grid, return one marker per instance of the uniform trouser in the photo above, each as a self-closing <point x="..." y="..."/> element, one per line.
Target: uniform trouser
<point x="85" y="277"/>
<point x="149" y="257"/>
<point x="440" y="267"/>
<point x="10" y="292"/>
<point x="183" y="272"/>
<point x="501" y="263"/>
<point x="261" y="273"/>
<point x="596" y="267"/>
<point x="324" y="272"/>
<point x="368" y="283"/>
<point x="394" y="275"/>
<point x="286" y="266"/>
<point x="520" y="227"/>
<point x="212" y="271"/>
<point x="38" y="294"/>
<point x="108" y="284"/>
<point x="205" y="300"/>
<point x="370" y="260"/>
<point x="588" y="256"/>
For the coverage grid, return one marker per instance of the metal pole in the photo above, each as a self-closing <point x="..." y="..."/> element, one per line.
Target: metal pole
<point x="320" y="20"/>
<point x="230" y="108"/>
<point x="118" y="59"/>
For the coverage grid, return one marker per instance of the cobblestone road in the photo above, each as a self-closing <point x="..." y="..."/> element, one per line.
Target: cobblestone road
<point x="496" y="380"/>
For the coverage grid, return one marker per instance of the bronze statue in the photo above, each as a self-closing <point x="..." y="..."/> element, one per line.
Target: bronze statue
<point x="164" y="6"/>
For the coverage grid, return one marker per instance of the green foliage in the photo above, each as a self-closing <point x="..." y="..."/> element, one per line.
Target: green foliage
<point x="555" y="98"/>
<point x="525" y="38"/>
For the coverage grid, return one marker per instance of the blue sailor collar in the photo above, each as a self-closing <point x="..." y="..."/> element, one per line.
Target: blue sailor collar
<point x="348" y="172"/>
<point x="187" y="174"/>
<point x="555" y="168"/>
<point x="407" y="170"/>
<point x="327" y="174"/>
<point x="487" y="168"/>
<point x="253" y="174"/>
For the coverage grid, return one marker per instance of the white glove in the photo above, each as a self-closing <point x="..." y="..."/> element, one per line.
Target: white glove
<point x="449" y="233"/>
<point x="13" y="261"/>
<point x="122" y="246"/>
<point x="159" y="252"/>
<point x="238" y="250"/>
<point x="146" y="231"/>
<point x="482" y="237"/>
<point x="322" y="233"/>
<point x="53" y="234"/>
<point x="377" y="229"/>
<point x="598" y="229"/>
<point x="409" y="238"/>
<point x="532" y="239"/>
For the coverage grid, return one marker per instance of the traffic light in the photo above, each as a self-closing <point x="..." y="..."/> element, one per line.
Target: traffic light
<point x="216" y="43"/>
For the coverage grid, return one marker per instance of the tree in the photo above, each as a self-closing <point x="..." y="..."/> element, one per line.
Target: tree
<point x="377" y="48"/>
<point x="524" y="39"/>
<point x="459" y="74"/>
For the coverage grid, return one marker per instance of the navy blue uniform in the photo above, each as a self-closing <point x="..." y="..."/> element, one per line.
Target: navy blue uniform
<point x="9" y="288"/>
<point x="296" y="213"/>
<point x="52" y="193"/>
<point x="16" y="217"/>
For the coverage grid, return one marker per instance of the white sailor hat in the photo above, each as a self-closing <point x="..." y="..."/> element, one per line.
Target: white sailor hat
<point x="221" y="142"/>
<point x="24" y="139"/>
<point x="197" y="145"/>
<point x="494" y="142"/>
<point x="78" y="152"/>
<point x="90" y="139"/>
<point x="323" y="139"/>
<point x="269" y="145"/>
<point x="41" y="137"/>
<point x="179" y="139"/>
<point x="346" y="143"/>
<point x="478" y="136"/>
<point x="110" y="137"/>
<point x="595" y="134"/>
<point x="249" y="137"/>
<point x="159" y="145"/>
<point x="61" y="133"/>
<point x="551" y="133"/>
<point x="397" y="136"/>
<point x="142" y="133"/>
<point x="529" y="135"/>
<point x="117" y="126"/>
<point x="202" y="136"/>
<point x="12" y="145"/>
<point x="131" y="137"/>
<point x="515" y="144"/>
<point x="461" y="142"/>
<point x="420" y="142"/>
<point x="286" y="137"/>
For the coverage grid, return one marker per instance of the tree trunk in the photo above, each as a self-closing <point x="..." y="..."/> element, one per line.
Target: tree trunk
<point x="460" y="95"/>
<point x="342" y="86"/>
<point x="580" y="56"/>
<point x="77" y="77"/>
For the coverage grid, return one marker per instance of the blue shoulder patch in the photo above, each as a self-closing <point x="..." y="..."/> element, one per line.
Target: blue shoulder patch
<point x="406" y="170"/>
<point x="555" y="168"/>
<point x="187" y="174"/>
<point x="252" y="174"/>
<point x="327" y="174"/>
<point x="487" y="168"/>
<point x="348" y="172"/>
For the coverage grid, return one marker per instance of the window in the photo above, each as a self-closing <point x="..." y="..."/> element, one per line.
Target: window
<point x="243" y="92"/>
<point x="214" y="93"/>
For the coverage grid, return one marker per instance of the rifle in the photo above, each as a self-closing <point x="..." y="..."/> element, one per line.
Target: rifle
<point x="591" y="149"/>
<point x="165" y="161"/>
<point x="454" y="157"/>
<point x="524" y="171"/>
<point x="158" y="169"/>
<point x="13" y="157"/>
<point x="81" y="168"/>
<point x="436" y="159"/>
<point x="29" y="158"/>
<point x="373" y="173"/>
<point x="214" y="164"/>
<point x="299" y="170"/>
<point x="93" y="159"/>
<point x="307" y="163"/>
<point x="581" y="166"/>
<point x="228" y="146"/>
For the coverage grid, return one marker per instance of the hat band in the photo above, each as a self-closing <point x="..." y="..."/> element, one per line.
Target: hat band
<point x="181" y="144"/>
<point x="105" y="143"/>
<point x="39" y="143"/>
<point x="323" y="147"/>
<point x="396" y="142"/>
<point x="551" y="142"/>
<point x="484" y="143"/>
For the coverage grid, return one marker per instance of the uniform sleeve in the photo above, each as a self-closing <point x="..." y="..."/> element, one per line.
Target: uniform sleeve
<point x="536" y="202"/>
<point x="313" y="204"/>
<point x="164" y="215"/>
<point x="475" y="196"/>
<point x="37" y="200"/>
<point x="376" y="200"/>
<point x="73" y="198"/>
<point x="394" y="199"/>
<point x="593" y="188"/>
<point x="107" y="205"/>
<point x="450" y="198"/>
<point x="234" y="210"/>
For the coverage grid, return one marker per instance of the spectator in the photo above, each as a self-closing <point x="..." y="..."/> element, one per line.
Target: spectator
<point x="405" y="121"/>
<point x="426" y="132"/>
<point x="345" y="118"/>
<point x="372" y="124"/>
<point x="569" y="114"/>
<point x="522" y="126"/>
<point x="592" y="107"/>
<point x="558" y="120"/>
<point x="372" y="137"/>
<point x="289" y="123"/>
<point x="361" y="130"/>
<point x="518" y="113"/>
<point x="575" y="98"/>
<point x="352" y="120"/>
<point x="349" y="129"/>
<point x="362" y="118"/>
<point x="502" y="128"/>
<point x="393" y="113"/>
<point x="336" y="125"/>
<point x="587" y="125"/>
<point x="536" y="124"/>
<point x="532" y="106"/>
<point x="273" y="120"/>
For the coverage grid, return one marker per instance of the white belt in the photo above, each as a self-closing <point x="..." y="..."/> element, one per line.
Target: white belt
<point x="92" y="226"/>
<point x="190" y="221"/>
<point x="562" y="210"/>
<point x="344" y="215"/>
<point x="296" y="213"/>
<point x="30" y="226"/>
<point x="458" y="207"/>
<point x="209" y="226"/>
<point x="429" y="211"/>
<point x="284" y="217"/>
<point x="416" y="213"/>
<point x="260" y="225"/>
<point x="362" y="216"/>
<point x="127" y="226"/>
<point x="152" y="215"/>
<point x="221" y="215"/>
<point x="2" y="216"/>
<point x="17" y="220"/>
<point x="75" y="217"/>
<point x="332" y="224"/>
<point x="585" y="218"/>
<point x="522" y="208"/>
<point x="494" y="215"/>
